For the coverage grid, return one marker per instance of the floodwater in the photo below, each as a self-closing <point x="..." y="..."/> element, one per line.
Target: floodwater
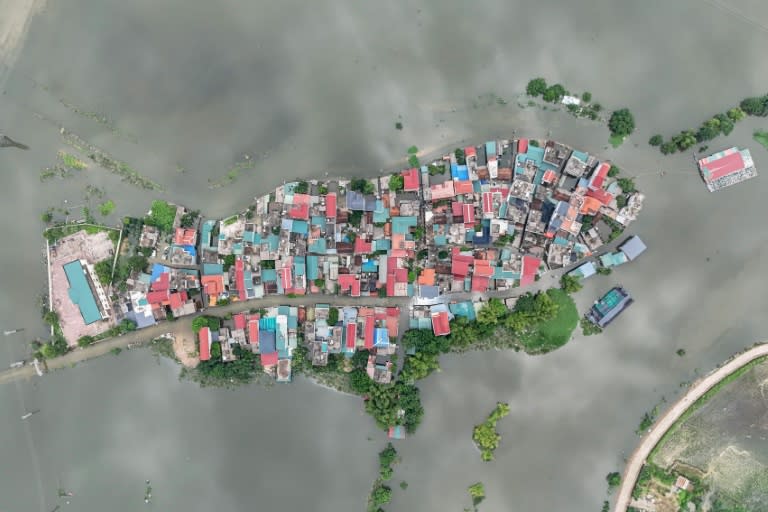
<point x="304" y="89"/>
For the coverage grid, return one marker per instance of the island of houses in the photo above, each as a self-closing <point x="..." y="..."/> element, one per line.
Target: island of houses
<point x="423" y="245"/>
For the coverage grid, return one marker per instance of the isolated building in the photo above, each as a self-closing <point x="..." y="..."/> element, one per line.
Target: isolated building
<point x="610" y="305"/>
<point x="727" y="168"/>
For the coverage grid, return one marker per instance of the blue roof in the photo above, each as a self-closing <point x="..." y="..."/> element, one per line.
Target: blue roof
<point x="300" y="226"/>
<point x="267" y="343"/>
<point x="490" y="148"/>
<point x="460" y="173"/>
<point x="210" y="269"/>
<point x="158" y="269"/>
<point x="318" y="220"/>
<point x="252" y="237"/>
<point x="371" y="265"/>
<point x="313" y="272"/>
<point x="441" y="240"/>
<point x="586" y="270"/>
<point x="465" y="309"/>
<point x="500" y="273"/>
<point x="80" y="292"/>
<point x="268" y="275"/>
<point x="380" y="337"/>
<point x="299" y="266"/>
<point x="267" y="323"/>
<point x="189" y="249"/>
<point x="380" y="214"/>
<point x="402" y="225"/>
<point x="534" y="153"/>
<point x="318" y="246"/>
<point x="382" y="244"/>
<point x="273" y="241"/>
<point x="580" y="155"/>
<point x="206" y="236"/>
<point x="355" y="200"/>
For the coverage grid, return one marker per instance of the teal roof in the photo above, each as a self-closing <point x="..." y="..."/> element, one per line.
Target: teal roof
<point x="300" y="227"/>
<point x="499" y="273"/>
<point x="318" y="246"/>
<point x="252" y="237"/>
<point x="273" y="241"/>
<point x="80" y="292"/>
<point x="506" y="254"/>
<point x="237" y="248"/>
<point x="534" y="153"/>
<point x="380" y="214"/>
<point x="299" y="266"/>
<point x="210" y="269"/>
<point x="313" y="272"/>
<point x="580" y="155"/>
<point x="318" y="220"/>
<point x="206" y="236"/>
<point x="145" y="278"/>
<point x="613" y="259"/>
<point x="465" y="309"/>
<point x="402" y="225"/>
<point x="382" y="244"/>
<point x="269" y="275"/>
<point x="560" y="241"/>
<point x="441" y="240"/>
<point x="490" y="148"/>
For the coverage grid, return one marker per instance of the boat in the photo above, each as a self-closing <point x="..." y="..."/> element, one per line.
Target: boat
<point x="12" y="331"/>
<point x="29" y="414"/>
<point x="17" y="364"/>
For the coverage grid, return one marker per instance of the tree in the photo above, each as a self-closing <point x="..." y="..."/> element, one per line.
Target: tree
<point x="51" y="318"/>
<point x="398" y="125"/>
<point x="229" y="261"/>
<point x="381" y="495"/>
<point x="680" y="352"/>
<point x="536" y="87"/>
<point x="726" y="123"/>
<point x="198" y="323"/>
<point x="757" y="106"/>
<point x="301" y="187"/>
<point x="362" y="185"/>
<point x="477" y="493"/>
<point x="613" y="171"/>
<point x="668" y="147"/>
<point x="621" y="201"/>
<point x="84" y="341"/>
<point x="656" y="140"/>
<point x="570" y="283"/>
<point x="622" y="122"/>
<point x="554" y="93"/>
<point x="613" y="479"/>
<point x="443" y="254"/>
<point x="396" y="182"/>
<point x="333" y="316"/>
<point x="492" y="313"/>
<point x="189" y="218"/>
<point x="387" y="456"/>
<point x="161" y="216"/>
<point x="627" y="185"/>
<point x="461" y="158"/>
<point x="359" y="381"/>
<point x="419" y="366"/>
<point x="736" y="114"/>
<point x="604" y="271"/>
<point x="586" y="97"/>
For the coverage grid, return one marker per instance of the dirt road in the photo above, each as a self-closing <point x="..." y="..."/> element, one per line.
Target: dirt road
<point x="652" y="438"/>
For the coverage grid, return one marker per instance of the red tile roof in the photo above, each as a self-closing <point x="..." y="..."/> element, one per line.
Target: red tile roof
<point x="303" y="199"/>
<point x="159" y="297"/>
<point x="441" y="324"/>
<point x="161" y="283"/>
<point x="239" y="320"/>
<point x="530" y="269"/>
<point x="479" y="283"/>
<point x="362" y="246"/>
<point x="723" y="166"/>
<point x="213" y="285"/>
<point x="457" y="207"/>
<point x="411" y="180"/>
<point x="300" y="212"/>
<point x="286" y="278"/>
<point x="204" y="337"/>
<point x="177" y="300"/>
<point x="253" y="331"/>
<point x="351" y="334"/>
<point x="522" y="146"/>
<point x="330" y="205"/>
<point x="483" y="268"/>
<point x="369" y="325"/>
<point x="487" y="202"/>
<point x="601" y="195"/>
<point x="470" y="151"/>
<point x="442" y="191"/>
<point x="462" y="187"/>
<point x="460" y="264"/>
<point x="350" y="282"/>
<point x="598" y="178"/>
<point x="549" y="176"/>
<point x="240" y="279"/>
<point x="185" y="236"/>
<point x="269" y="359"/>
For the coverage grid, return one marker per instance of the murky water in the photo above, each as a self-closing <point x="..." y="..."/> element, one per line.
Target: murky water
<point x="308" y="89"/>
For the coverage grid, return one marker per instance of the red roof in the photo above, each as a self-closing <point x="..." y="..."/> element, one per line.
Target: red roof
<point x="239" y="320"/>
<point x="351" y="334"/>
<point x="599" y="176"/>
<point x="204" y="336"/>
<point x="213" y="285"/>
<point x="240" y="278"/>
<point x="522" y="146"/>
<point x="176" y="300"/>
<point x="487" y="202"/>
<point x="601" y="195"/>
<point x="483" y="268"/>
<point x="253" y="331"/>
<point x="286" y="279"/>
<point x="185" y="236"/>
<point x="549" y="176"/>
<point x="303" y="199"/>
<point x="330" y="205"/>
<point x="362" y="246"/>
<point x="369" y="325"/>
<point x="723" y="166"/>
<point x="470" y="151"/>
<point x="158" y="297"/>
<point x="441" y="324"/>
<point x="411" y="180"/>
<point x="530" y="269"/>
<point x="504" y="191"/>
<point x="269" y="359"/>
<point x="462" y="187"/>
<point x="350" y="282"/>
<point x="300" y="211"/>
<point x="456" y="208"/>
<point x="161" y="283"/>
<point x="479" y="283"/>
<point x="469" y="213"/>
<point x="442" y="191"/>
<point x="460" y="264"/>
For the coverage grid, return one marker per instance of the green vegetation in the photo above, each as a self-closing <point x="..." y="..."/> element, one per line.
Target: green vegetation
<point x="396" y="182"/>
<point x="189" y="218"/>
<point x="116" y="351"/>
<point x="301" y="187"/>
<point x="616" y="140"/>
<point x="477" y="493"/>
<point x="161" y="216"/>
<point x="607" y="507"/>
<point x="718" y="124"/>
<point x="485" y="436"/>
<point x="621" y="201"/>
<point x="570" y="283"/>
<point x="621" y="123"/>
<point x="552" y="316"/>
<point x="419" y="366"/>
<point x="71" y="161"/>
<point x="403" y="485"/>
<point x="228" y="262"/>
<point x="106" y="207"/>
<point x="333" y="316"/>
<point x="412" y="150"/>
<point x="647" y="421"/>
<point x="84" y="341"/>
<point x="627" y="185"/>
<point x="534" y="143"/>
<point x="656" y="140"/>
<point x="380" y="493"/>
<point x="386" y="400"/>
<point x="212" y="322"/>
<point x="216" y="373"/>
<point x="47" y="216"/>
<point x="586" y="97"/>
<point x="461" y="158"/>
<point x="604" y="271"/>
<point x="54" y="233"/>
<point x="588" y="328"/>
<point x="680" y="352"/>
<point x="435" y="169"/>
<point x="613" y="171"/>
<point x="362" y="185"/>
<point x="761" y="136"/>
<point x="413" y="161"/>
<point x="536" y="87"/>
<point x="613" y="479"/>
<point x="398" y="125"/>
<point x="756" y="106"/>
<point x="230" y="220"/>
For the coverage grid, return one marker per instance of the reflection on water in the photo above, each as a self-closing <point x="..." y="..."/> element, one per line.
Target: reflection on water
<point x="304" y="91"/>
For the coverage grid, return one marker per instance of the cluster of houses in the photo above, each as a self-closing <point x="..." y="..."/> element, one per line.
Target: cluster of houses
<point x="488" y="217"/>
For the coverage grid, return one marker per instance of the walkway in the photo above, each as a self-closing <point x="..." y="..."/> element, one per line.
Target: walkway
<point x="652" y="438"/>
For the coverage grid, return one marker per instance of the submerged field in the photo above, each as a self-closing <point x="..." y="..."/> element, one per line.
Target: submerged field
<point x="723" y="444"/>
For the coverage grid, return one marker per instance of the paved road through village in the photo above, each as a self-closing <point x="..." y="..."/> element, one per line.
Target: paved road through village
<point x="652" y="438"/>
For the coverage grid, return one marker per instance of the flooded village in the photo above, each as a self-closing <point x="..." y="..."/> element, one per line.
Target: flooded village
<point x="417" y="248"/>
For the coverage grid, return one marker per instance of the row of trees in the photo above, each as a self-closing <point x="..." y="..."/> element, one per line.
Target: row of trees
<point x="709" y="129"/>
<point x="549" y="93"/>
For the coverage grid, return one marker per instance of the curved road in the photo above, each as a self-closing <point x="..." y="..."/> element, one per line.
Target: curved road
<point x="652" y="438"/>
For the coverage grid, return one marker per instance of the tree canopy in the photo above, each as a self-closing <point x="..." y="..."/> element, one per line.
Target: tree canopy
<point x="536" y="87"/>
<point x="622" y="122"/>
<point x="161" y="216"/>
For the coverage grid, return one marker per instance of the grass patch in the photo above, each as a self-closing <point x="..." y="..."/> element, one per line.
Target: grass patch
<point x="702" y="400"/>
<point x="57" y="232"/>
<point x="107" y="207"/>
<point x="761" y="137"/>
<point x="72" y="161"/>
<point x="616" y="140"/>
<point x="554" y="333"/>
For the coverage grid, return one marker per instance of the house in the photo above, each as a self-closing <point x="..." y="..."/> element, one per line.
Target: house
<point x="441" y="318"/>
<point x="411" y="180"/>
<point x="185" y="236"/>
<point x="633" y="247"/>
<point x="204" y="339"/>
<point x="530" y="270"/>
<point x="81" y="291"/>
<point x="584" y="271"/>
<point x="442" y="191"/>
<point x="610" y="305"/>
<point x="727" y="168"/>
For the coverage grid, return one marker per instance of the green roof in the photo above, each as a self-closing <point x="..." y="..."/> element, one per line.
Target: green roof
<point x="80" y="292"/>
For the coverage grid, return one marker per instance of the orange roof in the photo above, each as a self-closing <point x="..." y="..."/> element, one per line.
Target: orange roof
<point x="213" y="285"/>
<point x="427" y="277"/>
<point x="591" y="206"/>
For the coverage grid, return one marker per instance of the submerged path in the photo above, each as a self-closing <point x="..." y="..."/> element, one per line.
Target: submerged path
<point x="651" y="439"/>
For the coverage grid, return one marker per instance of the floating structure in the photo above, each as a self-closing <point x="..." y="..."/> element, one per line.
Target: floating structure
<point x="610" y="305"/>
<point x="727" y="168"/>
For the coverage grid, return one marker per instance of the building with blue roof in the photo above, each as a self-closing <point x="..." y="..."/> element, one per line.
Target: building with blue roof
<point x="158" y="269"/>
<point x="370" y="265"/>
<point x="319" y="220"/>
<point x="268" y="275"/>
<point x="211" y="269"/>
<point x="459" y="172"/>
<point x="490" y="148"/>
<point x="403" y="225"/>
<point x="380" y="337"/>
<point x="465" y="309"/>
<point x="273" y="242"/>
<point x="80" y="292"/>
<point x="380" y="214"/>
<point x="313" y="267"/>
<point x="382" y="244"/>
<point x="584" y="271"/>
<point x="319" y="246"/>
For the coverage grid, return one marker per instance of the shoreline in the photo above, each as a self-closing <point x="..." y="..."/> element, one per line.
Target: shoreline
<point x="669" y="419"/>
